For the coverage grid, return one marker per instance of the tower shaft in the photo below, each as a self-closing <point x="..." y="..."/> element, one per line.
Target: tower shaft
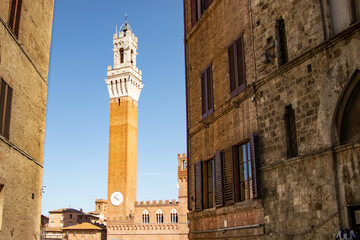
<point x="122" y="155"/>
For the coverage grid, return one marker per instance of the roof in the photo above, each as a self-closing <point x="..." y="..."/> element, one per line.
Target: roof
<point x="53" y="229"/>
<point x="64" y="210"/>
<point x="85" y="225"/>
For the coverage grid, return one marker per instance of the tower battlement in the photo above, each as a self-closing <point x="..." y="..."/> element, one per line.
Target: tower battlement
<point x="156" y="202"/>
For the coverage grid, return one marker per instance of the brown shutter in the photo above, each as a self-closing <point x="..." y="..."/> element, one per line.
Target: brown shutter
<point x="209" y="88"/>
<point x="253" y="166"/>
<point x="237" y="188"/>
<point x="198" y="186"/>
<point x="203" y="93"/>
<point x="8" y="113"/>
<point x="231" y="68"/>
<point x="240" y="60"/>
<point x="209" y="2"/>
<point x="2" y="105"/>
<point x="228" y="176"/>
<point x="18" y="14"/>
<point x="12" y="14"/>
<point x="193" y="11"/>
<point x="218" y="178"/>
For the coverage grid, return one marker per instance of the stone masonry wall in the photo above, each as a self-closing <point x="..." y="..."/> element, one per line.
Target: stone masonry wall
<point x="24" y="66"/>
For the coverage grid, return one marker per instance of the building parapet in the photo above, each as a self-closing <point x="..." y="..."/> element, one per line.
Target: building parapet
<point x="155" y="202"/>
<point x="121" y="228"/>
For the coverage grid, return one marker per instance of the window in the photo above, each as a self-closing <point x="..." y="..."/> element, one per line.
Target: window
<point x="121" y="55"/>
<point x="52" y="224"/>
<point x="204" y="184"/>
<point x="184" y="165"/>
<point x="82" y="233"/>
<point x="243" y="172"/>
<point x="344" y="13"/>
<point x="290" y="131"/>
<point x="236" y="60"/>
<point x="70" y="216"/>
<point x="145" y="216"/>
<point x="14" y="17"/>
<point x="159" y="216"/>
<point x="227" y="178"/>
<point x="5" y="108"/>
<point x="198" y="7"/>
<point x="173" y="216"/>
<point x="1" y="203"/>
<point x="99" y="207"/>
<point x="62" y="217"/>
<point x="70" y="223"/>
<point x="355" y="217"/>
<point x="282" y="54"/>
<point x="206" y="92"/>
<point x="61" y="225"/>
<point x="74" y="233"/>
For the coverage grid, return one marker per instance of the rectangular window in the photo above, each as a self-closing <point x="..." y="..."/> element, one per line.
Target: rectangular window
<point x="355" y="217"/>
<point x="198" y="7"/>
<point x="5" y="108"/>
<point x="344" y="13"/>
<point x="244" y="165"/>
<point x="207" y="103"/>
<point x="237" y="73"/>
<point x="281" y="42"/>
<point x="290" y="131"/>
<point x="14" y="16"/>
<point x="70" y="215"/>
<point x="70" y="223"/>
<point x="1" y="204"/>
<point x="208" y="180"/>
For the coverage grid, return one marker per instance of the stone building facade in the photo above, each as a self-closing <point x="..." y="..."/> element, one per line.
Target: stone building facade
<point x="273" y="142"/>
<point x="25" y="38"/>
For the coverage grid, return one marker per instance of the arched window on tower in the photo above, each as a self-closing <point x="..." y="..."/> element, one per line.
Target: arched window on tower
<point x="132" y="56"/>
<point x="174" y="216"/>
<point x="121" y="55"/>
<point x="159" y="216"/>
<point x="145" y="216"/>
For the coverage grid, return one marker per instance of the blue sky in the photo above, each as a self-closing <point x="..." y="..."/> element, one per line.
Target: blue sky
<point x="77" y="124"/>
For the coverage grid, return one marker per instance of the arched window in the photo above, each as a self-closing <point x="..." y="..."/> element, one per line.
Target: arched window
<point x="132" y="56"/>
<point x="145" y="216"/>
<point x="121" y="55"/>
<point x="159" y="216"/>
<point x="174" y="216"/>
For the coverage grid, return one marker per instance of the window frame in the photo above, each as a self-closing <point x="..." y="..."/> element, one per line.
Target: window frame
<point x="145" y="216"/>
<point x="236" y="70"/>
<point x="281" y="42"/>
<point x="159" y="216"/>
<point x="6" y="93"/>
<point x="207" y="98"/>
<point x="198" y="8"/>
<point x="290" y="132"/>
<point x="174" y="217"/>
<point x="14" y="16"/>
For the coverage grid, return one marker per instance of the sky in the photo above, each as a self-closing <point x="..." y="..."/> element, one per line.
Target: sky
<point x="77" y="122"/>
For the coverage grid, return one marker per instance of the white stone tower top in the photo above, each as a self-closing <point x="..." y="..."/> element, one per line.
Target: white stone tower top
<point x="124" y="79"/>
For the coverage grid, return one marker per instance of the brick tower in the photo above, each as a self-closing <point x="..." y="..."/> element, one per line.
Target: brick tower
<point x="124" y="85"/>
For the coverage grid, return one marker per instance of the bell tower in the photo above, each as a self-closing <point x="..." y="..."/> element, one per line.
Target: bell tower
<point x="124" y="85"/>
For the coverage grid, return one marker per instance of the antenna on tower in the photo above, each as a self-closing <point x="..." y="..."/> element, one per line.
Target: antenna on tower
<point x="126" y="18"/>
<point x="116" y="30"/>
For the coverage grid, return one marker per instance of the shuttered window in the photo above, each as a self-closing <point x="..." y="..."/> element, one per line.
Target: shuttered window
<point x="228" y="173"/>
<point x="282" y="53"/>
<point x="245" y="179"/>
<point x="198" y="7"/>
<point x="5" y="108"/>
<point x="236" y="58"/>
<point x="14" y="16"/>
<point x="218" y="179"/>
<point x="290" y="132"/>
<point x="207" y="105"/>
<point x="198" y="186"/>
